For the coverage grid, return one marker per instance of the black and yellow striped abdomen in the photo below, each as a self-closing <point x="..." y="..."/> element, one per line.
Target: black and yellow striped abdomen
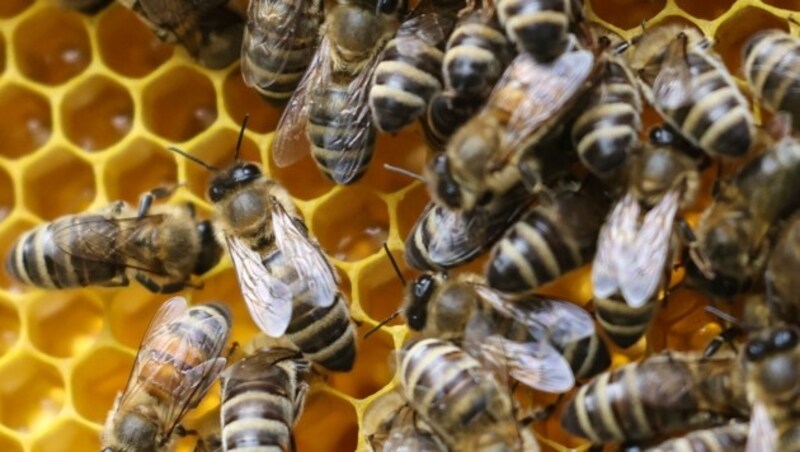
<point x="624" y="324"/>
<point x="726" y="438"/>
<point x="539" y="27"/>
<point x="771" y="65"/>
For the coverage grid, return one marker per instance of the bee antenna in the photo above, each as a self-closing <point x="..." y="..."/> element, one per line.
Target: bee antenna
<point x="404" y="172"/>
<point x="241" y="136"/>
<point x="724" y="315"/>
<point x="394" y="264"/>
<point x="381" y="324"/>
<point x="192" y="158"/>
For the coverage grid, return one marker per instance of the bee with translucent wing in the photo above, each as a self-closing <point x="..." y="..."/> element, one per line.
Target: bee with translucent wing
<point x="177" y="362"/>
<point x="390" y="424"/>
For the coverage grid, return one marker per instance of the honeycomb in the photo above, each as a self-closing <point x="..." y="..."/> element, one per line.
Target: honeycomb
<point x="88" y="105"/>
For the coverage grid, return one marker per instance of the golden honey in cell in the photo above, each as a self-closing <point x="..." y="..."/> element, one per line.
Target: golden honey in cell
<point x="262" y="399"/>
<point x="689" y="85"/>
<point x="497" y="148"/>
<point x="390" y="424"/>
<point x="465" y="404"/>
<point x="730" y="249"/>
<point x="661" y="395"/>
<point x="159" y="246"/>
<point x="410" y="69"/>
<point x="209" y="31"/>
<point x="278" y="45"/>
<point x="771" y="62"/>
<point x="771" y="361"/>
<point x="540" y="27"/>
<point x="289" y="286"/>
<point x="329" y="112"/>
<point x="178" y="361"/>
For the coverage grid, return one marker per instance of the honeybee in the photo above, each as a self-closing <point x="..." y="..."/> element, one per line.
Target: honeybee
<point x="557" y="336"/>
<point x="658" y="396"/>
<point x="485" y="156"/>
<point x="783" y="295"/>
<point x="540" y="27"/>
<point x="464" y="402"/>
<point x="279" y="42"/>
<point x="159" y="246"/>
<point x="287" y="282"/>
<point x="771" y="59"/>
<point x="730" y="247"/>
<point x="443" y="238"/>
<point x="552" y="238"/>
<point x="262" y="399"/>
<point x="771" y="361"/>
<point x="730" y="437"/>
<point x="390" y="424"/>
<point x="178" y="360"/>
<point x="211" y="33"/>
<point x="329" y="112"/>
<point x="608" y="129"/>
<point x="86" y="6"/>
<point x="476" y="54"/>
<point x="409" y="73"/>
<point x="688" y="84"/>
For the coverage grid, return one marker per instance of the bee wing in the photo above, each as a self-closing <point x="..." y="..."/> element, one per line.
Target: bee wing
<point x="290" y="142"/>
<point x="535" y="364"/>
<point x="268" y="299"/>
<point x="647" y="257"/>
<point x="305" y="256"/>
<point x="540" y="91"/>
<point x="616" y="236"/>
<point x="672" y="87"/>
<point x="196" y="383"/>
<point x="762" y="434"/>
<point x="556" y="320"/>
<point x="457" y="237"/>
<point x="430" y="29"/>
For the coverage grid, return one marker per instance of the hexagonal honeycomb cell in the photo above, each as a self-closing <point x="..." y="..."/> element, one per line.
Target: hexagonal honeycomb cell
<point x="88" y="106"/>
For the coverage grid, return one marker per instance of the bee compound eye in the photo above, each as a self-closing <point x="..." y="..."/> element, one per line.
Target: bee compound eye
<point x="784" y="339"/>
<point x="756" y="349"/>
<point x="215" y="193"/>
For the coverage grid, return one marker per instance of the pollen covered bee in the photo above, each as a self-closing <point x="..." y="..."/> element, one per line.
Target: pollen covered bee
<point x="159" y="246"/>
<point x="211" y="33"/>
<point x="287" y="282"/>
<point x="771" y="62"/>
<point x="262" y="399"/>
<point x="178" y="361"/>
<point x="329" y="112"/>
<point x="390" y="424"/>
<point x="485" y="156"/>
<point x="688" y="84"/>
<point x="278" y="45"/>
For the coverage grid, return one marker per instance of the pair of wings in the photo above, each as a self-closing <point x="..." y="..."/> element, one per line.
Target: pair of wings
<point x="268" y="298"/>
<point x="183" y="18"/>
<point x="537" y="364"/>
<point x="631" y="256"/>
<point x="86" y="237"/>
<point x="196" y="380"/>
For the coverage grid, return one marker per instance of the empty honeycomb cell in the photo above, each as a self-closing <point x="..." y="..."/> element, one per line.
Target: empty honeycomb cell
<point x="636" y="11"/>
<point x="140" y="167"/>
<point x="66" y="436"/>
<point x="52" y="46"/>
<point x="10" y="231"/>
<point x="64" y="324"/>
<point x="352" y="224"/>
<point x="405" y="150"/>
<point x="793" y="5"/>
<point x="97" y="378"/>
<point x="6" y="194"/>
<point x="412" y="204"/>
<point x="31" y="394"/>
<point x="9" y="326"/>
<point x="25" y="120"/>
<point x="217" y="149"/>
<point x="10" y="8"/>
<point x="380" y="292"/>
<point x="371" y="371"/>
<point x="58" y="183"/>
<point x="179" y="104"/>
<point x="318" y="430"/>
<point x="303" y="179"/>
<point x="130" y="312"/>
<point x="127" y="45"/>
<point x="224" y="288"/>
<point x="737" y="29"/>
<point x="97" y="113"/>
<point x="710" y="9"/>
<point x="241" y="100"/>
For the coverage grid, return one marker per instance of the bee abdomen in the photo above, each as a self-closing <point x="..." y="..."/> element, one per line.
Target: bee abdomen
<point x="325" y="336"/>
<point x="727" y="437"/>
<point x="257" y="416"/>
<point x="445" y="114"/>
<point x="531" y="253"/>
<point x="275" y="83"/>
<point x="539" y="27"/>
<point x="587" y="357"/>
<point x="477" y="52"/>
<point x="624" y="324"/>
<point x="400" y="93"/>
<point x="770" y="60"/>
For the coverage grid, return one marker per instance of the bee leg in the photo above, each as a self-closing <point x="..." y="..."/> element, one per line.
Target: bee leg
<point x="234" y="346"/>
<point x="155" y="287"/>
<point x="727" y="336"/>
<point x="146" y="200"/>
<point x="181" y="431"/>
<point x="192" y="209"/>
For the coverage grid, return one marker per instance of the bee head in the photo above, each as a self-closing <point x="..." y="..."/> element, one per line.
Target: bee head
<point x="418" y="297"/>
<point x="391" y="6"/>
<point x="774" y="364"/>
<point x="239" y="174"/>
